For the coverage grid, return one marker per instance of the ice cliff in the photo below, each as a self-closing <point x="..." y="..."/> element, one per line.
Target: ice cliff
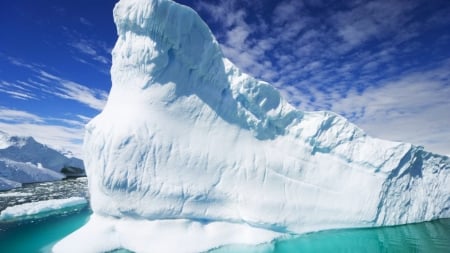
<point x="188" y="144"/>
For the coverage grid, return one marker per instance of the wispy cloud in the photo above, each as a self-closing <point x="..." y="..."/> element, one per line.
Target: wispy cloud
<point x="237" y="37"/>
<point x="20" y="63"/>
<point x="61" y="134"/>
<point x="8" y="114"/>
<point x="43" y="82"/>
<point x="85" y="21"/>
<point x="17" y="90"/>
<point x="56" y="136"/>
<point x="93" y="50"/>
<point x="364" y="59"/>
<point x="90" y="51"/>
<point x="413" y="108"/>
<point x="94" y="98"/>
<point x="373" y="19"/>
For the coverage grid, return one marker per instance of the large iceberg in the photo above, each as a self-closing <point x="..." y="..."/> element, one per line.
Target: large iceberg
<point x="189" y="147"/>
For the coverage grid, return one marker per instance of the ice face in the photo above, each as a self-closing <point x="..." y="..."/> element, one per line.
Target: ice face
<point x="186" y="135"/>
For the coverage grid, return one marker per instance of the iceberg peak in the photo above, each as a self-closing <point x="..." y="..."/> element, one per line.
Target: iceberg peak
<point x="187" y="139"/>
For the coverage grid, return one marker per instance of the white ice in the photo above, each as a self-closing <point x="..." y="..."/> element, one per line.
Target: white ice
<point x="40" y="208"/>
<point x="186" y="136"/>
<point x="164" y="236"/>
<point x="15" y="194"/>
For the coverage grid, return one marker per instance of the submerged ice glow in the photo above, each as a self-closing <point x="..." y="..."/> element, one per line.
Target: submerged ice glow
<point x="190" y="147"/>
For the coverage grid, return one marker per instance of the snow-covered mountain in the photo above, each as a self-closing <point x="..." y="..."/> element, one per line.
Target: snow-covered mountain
<point x="24" y="160"/>
<point x="189" y="147"/>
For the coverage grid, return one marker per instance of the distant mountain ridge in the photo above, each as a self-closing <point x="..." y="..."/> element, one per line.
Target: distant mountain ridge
<point x="24" y="160"/>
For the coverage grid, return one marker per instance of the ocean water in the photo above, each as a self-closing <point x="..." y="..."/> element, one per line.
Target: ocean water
<point x="426" y="237"/>
<point x="44" y="191"/>
<point x="434" y="237"/>
<point x="39" y="235"/>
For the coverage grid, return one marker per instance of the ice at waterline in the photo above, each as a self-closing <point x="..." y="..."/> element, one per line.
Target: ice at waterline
<point x="189" y="147"/>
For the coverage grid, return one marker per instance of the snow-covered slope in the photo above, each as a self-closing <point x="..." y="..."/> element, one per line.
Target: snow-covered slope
<point x="26" y="149"/>
<point x="23" y="160"/>
<point x="26" y="172"/>
<point x="6" y="184"/>
<point x="186" y="136"/>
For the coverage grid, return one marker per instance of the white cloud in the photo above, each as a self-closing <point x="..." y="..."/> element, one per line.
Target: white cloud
<point x="286" y="11"/>
<point x="320" y="62"/>
<point x="61" y="134"/>
<point x="414" y="108"/>
<point x="373" y="19"/>
<point x="8" y="114"/>
<point x="95" y="51"/>
<point x="42" y="81"/>
<point x="84" y="118"/>
<point x="93" y="98"/>
<point x="19" y="90"/>
<point x="55" y="136"/>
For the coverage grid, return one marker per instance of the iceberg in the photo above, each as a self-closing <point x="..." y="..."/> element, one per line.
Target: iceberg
<point x="188" y="148"/>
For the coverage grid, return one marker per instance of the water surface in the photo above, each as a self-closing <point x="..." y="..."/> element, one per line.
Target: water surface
<point x="426" y="237"/>
<point x="41" y="234"/>
<point x="434" y="237"/>
<point x="44" y="191"/>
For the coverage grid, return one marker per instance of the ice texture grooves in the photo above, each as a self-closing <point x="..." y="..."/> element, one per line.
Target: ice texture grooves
<point x="185" y="135"/>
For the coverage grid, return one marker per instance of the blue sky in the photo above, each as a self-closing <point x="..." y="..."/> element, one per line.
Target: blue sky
<point x="385" y="65"/>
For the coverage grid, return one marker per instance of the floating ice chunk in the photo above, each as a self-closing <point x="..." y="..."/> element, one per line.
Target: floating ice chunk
<point x="42" y="209"/>
<point x="15" y="194"/>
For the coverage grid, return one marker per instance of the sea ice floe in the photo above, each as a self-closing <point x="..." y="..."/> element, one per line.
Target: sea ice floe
<point x="42" y="209"/>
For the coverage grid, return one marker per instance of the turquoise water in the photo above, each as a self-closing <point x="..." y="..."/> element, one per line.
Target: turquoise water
<point x="39" y="235"/>
<point x="427" y="237"/>
<point x="434" y="237"/>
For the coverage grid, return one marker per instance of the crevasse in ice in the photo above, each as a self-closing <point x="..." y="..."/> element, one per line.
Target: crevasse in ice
<point x="189" y="143"/>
